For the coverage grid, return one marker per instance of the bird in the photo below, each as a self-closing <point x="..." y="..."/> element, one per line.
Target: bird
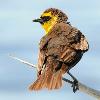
<point x="60" y="49"/>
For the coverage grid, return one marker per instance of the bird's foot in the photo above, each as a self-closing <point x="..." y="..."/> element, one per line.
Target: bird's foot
<point x="75" y="85"/>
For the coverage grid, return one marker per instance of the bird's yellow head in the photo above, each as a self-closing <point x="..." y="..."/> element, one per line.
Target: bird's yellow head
<point x="50" y="17"/>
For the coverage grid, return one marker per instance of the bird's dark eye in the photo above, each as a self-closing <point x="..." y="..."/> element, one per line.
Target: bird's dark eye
<point x="45" y="18"/>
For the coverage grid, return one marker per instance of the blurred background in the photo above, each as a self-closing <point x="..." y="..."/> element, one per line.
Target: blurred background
<point x="20" y="37"/>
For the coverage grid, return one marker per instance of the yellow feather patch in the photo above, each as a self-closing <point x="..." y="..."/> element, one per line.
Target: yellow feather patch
<point x="48" y="25"/>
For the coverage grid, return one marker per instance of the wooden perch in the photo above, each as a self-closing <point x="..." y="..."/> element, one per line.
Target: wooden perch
<point x="83" y="88"/>
<point x="87" y="90"/>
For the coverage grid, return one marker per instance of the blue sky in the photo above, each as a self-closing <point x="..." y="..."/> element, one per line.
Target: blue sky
<point x="19" y="36"/>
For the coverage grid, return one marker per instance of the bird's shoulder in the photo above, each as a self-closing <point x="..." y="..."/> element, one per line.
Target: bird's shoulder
<point x="60" y="28"/>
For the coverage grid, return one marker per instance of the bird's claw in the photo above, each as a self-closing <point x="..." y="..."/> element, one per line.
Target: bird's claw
<point x="75" y="86"/>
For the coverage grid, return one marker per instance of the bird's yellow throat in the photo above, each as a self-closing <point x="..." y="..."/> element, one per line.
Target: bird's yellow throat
<point x="49" y="25"/>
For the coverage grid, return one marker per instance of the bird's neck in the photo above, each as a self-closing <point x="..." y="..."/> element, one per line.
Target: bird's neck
<point x="49" y="25"/>
<point x="47" y="28"/>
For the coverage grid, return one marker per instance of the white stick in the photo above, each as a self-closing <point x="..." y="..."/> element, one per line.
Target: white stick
<point x="82" y="87"/>
<point x="23" y="61"/>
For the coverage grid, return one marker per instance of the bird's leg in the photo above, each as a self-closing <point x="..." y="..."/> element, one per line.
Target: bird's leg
<point x="75" y="83"/>
<point x="71" y="76"/>
<point x="67" y="80"/>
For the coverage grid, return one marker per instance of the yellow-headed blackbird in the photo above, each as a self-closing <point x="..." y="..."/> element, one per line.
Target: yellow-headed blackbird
<point x="60" y="49"/>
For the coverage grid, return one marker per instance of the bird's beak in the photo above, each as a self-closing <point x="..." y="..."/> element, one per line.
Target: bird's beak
<point x="38" y="20"/>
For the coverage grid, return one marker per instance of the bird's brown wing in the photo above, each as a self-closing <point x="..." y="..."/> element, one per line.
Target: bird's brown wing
<point x="77" y="40"/>
<point x="77" y="46"/>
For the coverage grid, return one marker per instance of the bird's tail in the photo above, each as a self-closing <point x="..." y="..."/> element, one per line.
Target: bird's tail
<point x="48" y="80"/>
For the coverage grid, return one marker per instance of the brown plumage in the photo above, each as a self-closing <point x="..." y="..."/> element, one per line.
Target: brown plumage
<point x="60" y="50"/>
